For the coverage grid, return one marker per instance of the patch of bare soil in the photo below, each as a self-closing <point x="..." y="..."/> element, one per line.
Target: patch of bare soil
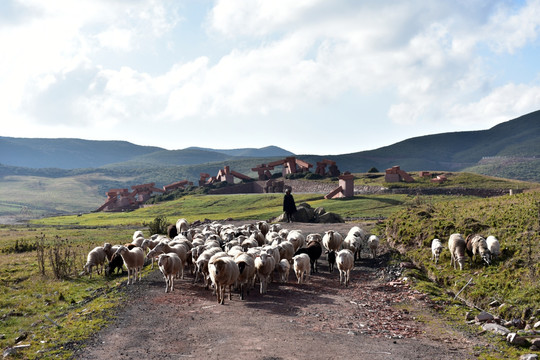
<point x="372" y="318"/>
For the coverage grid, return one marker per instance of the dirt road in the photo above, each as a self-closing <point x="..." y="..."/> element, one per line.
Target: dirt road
<point x="373" y="318"/>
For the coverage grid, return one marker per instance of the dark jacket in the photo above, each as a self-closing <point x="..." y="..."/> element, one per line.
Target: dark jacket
<point x="288" y="204"/>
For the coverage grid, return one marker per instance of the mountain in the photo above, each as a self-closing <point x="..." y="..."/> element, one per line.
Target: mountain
<point x="516" y="141"/>
<point x="79" y="153"/>
<point x="67" y="153"/>
<point x="268" y="151"/>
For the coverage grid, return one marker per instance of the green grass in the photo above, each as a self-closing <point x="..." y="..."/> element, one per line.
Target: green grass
<point x="238" y="207"/>
<point x="81" y="305"/>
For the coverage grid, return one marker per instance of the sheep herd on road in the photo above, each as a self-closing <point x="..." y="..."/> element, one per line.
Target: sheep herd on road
<point x="227" y="257"/>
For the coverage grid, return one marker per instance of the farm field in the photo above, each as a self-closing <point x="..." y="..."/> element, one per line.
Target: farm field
<point x="55" y="316"/>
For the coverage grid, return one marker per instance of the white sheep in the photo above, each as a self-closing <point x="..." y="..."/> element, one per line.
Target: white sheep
<point x="150" y="244"/>
<point x="283" y="269"/>
<point x="96" y="257"/>
<point x="223" y="272"/>
<point x="456" y="245"/>
<point x="246" y="278"/>
<point x="353" y="243"/>
<point x="182" y="226"/>
<point x="345" y="263"/>
<point x="332" y="240"/>
<point x="302" y="266"/>
<point x="180" y="249"/>
<point x="138" y="234"/>
<point x="475" y="246"/>
<point x="169" y="265"/>
<point x="493" y="245"/>
<point x="296" y="238"/>
<point x="134" y="261"/>
<point x="362" y="237"/>
<point x="286" y="250"/>
<point x="202" y="264"/>
<point x="436" y="249"/>
<point x="373" y="243"/>
<point x="264" y="264"/>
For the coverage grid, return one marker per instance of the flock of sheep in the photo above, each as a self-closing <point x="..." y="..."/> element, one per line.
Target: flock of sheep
<point x="474" y="245"/>
<point x="225" y="256"/>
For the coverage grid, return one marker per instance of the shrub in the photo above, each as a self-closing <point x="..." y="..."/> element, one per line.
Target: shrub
<point x="373" y="170"/>
<point x="158" y="225"/>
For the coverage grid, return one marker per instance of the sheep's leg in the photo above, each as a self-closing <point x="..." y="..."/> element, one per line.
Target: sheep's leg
<point x="230" y="292"/>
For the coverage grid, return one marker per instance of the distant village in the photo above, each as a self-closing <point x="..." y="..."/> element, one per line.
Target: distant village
<point x="124" y="199"/>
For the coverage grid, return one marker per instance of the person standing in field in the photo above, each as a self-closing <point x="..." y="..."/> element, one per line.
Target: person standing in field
<point x="288" y="205"/>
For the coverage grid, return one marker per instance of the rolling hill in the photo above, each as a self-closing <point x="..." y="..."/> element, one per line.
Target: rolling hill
<point x="45" y="174"/>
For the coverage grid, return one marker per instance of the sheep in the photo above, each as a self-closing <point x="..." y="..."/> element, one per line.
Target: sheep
<point x="149" y="244"/>
<point x="314" y="237"/>
<point x="362" y="237"/>
<point x="436" y="249"/>
<point x="182" y="226"/>
<point x="264" y="264"/>
<point x="301" y="264"/>
<point x="493" y="245"/>
<point x="456" y="245"/>
<point x="96" y="257"/>
<point x="180" y="249"/>
<point x="345" y="263"/>
<point x="172" y="231"/>
<point x="332" y="241"/>
<point x="223" y="272"/>
<point x="314" y="251"/>
<point x="169" y="265"/>
<point x="246" y="277"/>
<point x="138" y="234"/>
<point x="354" y="243"/>
<point x="373" y="243"/>
<point x="296" y="238"/>
<point x="116" y="263"/>
<point x="283" y="269"/>
<point x="134" y="260"/>
<point x="331" y="257"/>
<point x="286" y="250"/>
<point x="476" y="246"/>
<point x="202" y="264"/>
<point x="263" y="227"/>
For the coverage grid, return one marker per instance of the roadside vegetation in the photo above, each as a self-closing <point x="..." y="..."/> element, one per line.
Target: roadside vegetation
<point x="47" y="303"/>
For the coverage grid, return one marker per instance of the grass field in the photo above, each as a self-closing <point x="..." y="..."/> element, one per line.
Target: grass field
<point x="52" y="314"/>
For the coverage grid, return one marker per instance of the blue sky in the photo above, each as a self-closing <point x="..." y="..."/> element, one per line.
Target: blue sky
<point x="314" y="77"/>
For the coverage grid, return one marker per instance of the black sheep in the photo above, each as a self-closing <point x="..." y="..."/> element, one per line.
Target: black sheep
<point x="314" y="251"/>
<point x="116" y="263"/>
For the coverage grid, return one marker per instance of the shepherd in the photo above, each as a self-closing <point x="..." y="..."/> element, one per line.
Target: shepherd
<point x="288" y="205"/>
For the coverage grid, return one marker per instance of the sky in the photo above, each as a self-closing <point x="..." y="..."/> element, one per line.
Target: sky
<point x="321" y="77"/>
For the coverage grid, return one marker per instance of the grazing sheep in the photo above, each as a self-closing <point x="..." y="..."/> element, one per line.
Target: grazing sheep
<point x="246" y="277"/>
<point x="223" y="272"/>
<point x="493" y="245"/>
<point x="314" y="251"/>
<point x="134" y="260"/>
<point x="373" y="243"/>
<point x="345" y="263"/>
<point x="456" y="245"/>
<point x="476" y="246"/>
<point x="265" y="265"/>
<point x="116" y="263"/>
<point x="283" y="269"/>
<point x="436" y="249"/>
<point x="169" y="265"/>
<point x="96" y="257"/>
<point x="301" y="265"/>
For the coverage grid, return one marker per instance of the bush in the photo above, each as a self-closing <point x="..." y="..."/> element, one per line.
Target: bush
<point x="158" y="225"/>
<point x="373" y="170"/>
<point x="312" y="176"/>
